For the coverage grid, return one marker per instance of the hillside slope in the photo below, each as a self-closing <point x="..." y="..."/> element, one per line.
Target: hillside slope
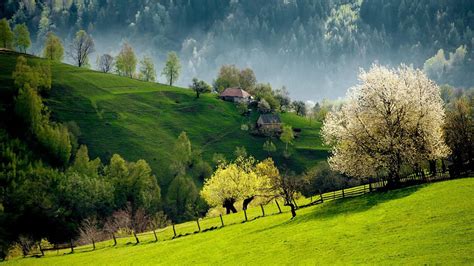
<point x="142" y="120"/>
<point x="418" y="225"/>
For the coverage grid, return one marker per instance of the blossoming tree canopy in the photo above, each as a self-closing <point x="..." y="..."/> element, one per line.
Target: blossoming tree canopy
<point x="393" y="118"/>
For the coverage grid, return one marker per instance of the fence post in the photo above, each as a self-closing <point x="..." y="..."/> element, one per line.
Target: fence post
<point x="72" y="247"/>
<point x="263" y="210"/>
<point x="245" y="213"/>
<point x="199" y="226"/>
<point x="278" y="205"/>
<point x="343" y="193"/>
<point x="334" y="195"/>
<point x="174" y="230"/>
<point x="222" y="221"/>
<point x="321" y="196"/>
<point x="370" y="187"/>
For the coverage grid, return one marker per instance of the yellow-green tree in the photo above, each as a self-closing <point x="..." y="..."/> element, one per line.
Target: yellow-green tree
<point x="172" y="68"/>
<point x="126" y="61"/>
<point x="147" y="69"/>
<point x="6" y="34"/>
<point x="21" y="37"/>
<point x="235" y="181"/>
<point x="53" y="48"/>
<point x="287" y="136"/>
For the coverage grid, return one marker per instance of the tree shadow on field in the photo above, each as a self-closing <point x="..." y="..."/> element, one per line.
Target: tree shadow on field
<point x="357" y="204"/>
<point x="329" y="210"/>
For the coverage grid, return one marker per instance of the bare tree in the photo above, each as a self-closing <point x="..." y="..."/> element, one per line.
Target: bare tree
<point x="140" y="221"/>
<point x="120" y="220"/>
<point x="89" y="231"/>
<point x="106" y="63"/>
<point x="82" y="46"/>
<point x="286" y="186"/>
<point x="159" y="220"/>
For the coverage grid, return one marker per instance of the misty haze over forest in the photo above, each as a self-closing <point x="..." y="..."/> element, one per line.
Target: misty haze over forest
<point x="314" y="48"/>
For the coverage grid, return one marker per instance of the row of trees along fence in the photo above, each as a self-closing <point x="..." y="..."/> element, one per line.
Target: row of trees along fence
<point x="271" y="208"/>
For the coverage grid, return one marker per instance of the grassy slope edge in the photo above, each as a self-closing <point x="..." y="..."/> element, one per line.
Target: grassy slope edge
<point x="429" y="223"/>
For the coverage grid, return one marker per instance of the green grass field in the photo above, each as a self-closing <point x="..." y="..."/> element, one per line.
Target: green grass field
<point x="142" y="120"/>
<point x="424" y="224"/>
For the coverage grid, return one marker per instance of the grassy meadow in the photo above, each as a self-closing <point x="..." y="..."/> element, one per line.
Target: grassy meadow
<point x="141" y="120"/>
<point x="424" y="224"/>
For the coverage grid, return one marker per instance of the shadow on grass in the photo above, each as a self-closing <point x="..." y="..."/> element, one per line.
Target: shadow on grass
<point x="353" y="205"/>
<point x="357" y="204"/>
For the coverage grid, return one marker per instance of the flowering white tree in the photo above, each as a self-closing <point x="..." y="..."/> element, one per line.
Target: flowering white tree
<point x="393" y="118"/>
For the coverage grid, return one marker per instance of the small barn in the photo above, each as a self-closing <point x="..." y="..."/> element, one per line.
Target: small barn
<point x="269" y="123"/>
<point x="235" y="95"/>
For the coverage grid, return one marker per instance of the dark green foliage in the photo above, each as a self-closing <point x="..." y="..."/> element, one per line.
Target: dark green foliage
<point x="299" y="107"/>
<point x="321" y="179"/>
<point x="183" y="201"/>
<point x="200" y="86"/>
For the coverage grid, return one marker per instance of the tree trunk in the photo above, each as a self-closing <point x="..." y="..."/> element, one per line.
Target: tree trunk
<point x="136" y="237"/>
<point x="432" y="167"/>
<point x="229" y="206"/>
<point x="197" y="94"/>
<point x="247" y="202"/>
<point x="156" y="238"/>
<point x="293" y="210"/>
<point x="115" y="239"/>
<point x="93" y="244"/>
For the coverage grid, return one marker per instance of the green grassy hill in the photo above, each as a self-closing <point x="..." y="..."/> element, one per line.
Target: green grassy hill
<point x="424" y="224"/>
<point x="142" y="120"/>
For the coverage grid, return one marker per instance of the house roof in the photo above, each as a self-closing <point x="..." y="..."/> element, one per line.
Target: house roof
<point x="235" y="92"/>
<point x="269" y="119"/>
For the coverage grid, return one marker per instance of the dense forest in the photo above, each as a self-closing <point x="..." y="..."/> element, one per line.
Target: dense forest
<point x="315" y="48"/>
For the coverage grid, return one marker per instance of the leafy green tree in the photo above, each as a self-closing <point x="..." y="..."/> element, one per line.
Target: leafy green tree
<point x="53" y="48"/>
<point x="299" y="107"/>
<point x="200" y="86"/>
<point x="269" y="147"/>
<point x="21" y="39"/>
<point x="283" y="97"/>
<point x="247" y="79"/>
<point x="242" y="108"/>
<point x="134" y="184"/>
<point x="29" y="107"/>
<point x="6" y="34"/>
<point x="265" y="92"/>
<point x="126" y="61"/>
<point x="147" y="69"/>
<point x="83" y="165"/>
<point x="82" y="46"/>
<point x="183" y="201"/>
<point x="172" y="68"/>
<point x="229" y="76"/>
<point x="264" y="107"/>
<point x="182" y="155"/>
<point x="287" y="136"/>
<point x="459" y="133"/>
